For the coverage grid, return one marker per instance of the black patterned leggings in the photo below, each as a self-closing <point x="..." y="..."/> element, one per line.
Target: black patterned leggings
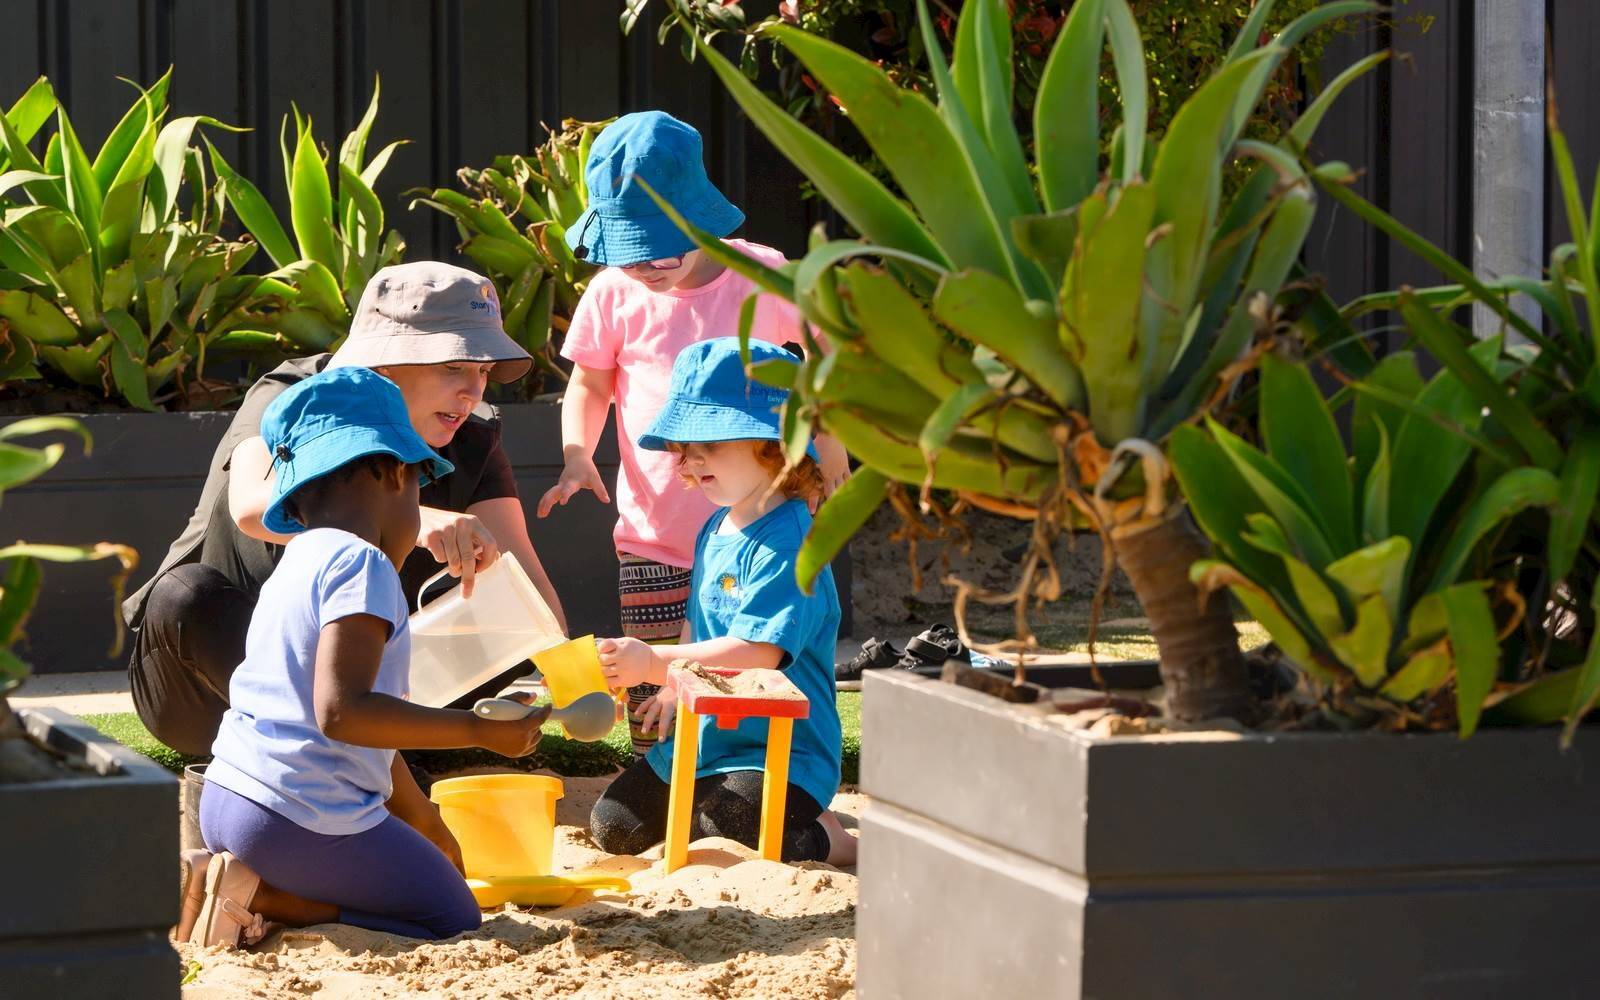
<point x="654" y="604"/>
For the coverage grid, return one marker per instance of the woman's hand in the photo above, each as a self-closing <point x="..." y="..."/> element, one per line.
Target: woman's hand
<point x="460" y="541"/>
<point x="516" y="738"/>
<point x="835" y="465"/>
<point x="660" y="710"/>
<point x="578" y="474"/>
<point x="626" y="662"/>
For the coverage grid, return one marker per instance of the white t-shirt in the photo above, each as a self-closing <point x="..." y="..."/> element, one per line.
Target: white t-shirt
<point x="270" y="749"/>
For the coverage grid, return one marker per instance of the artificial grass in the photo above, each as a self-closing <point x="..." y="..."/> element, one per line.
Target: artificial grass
<point x="556" y="753"/>
<point x="125" y="728"/>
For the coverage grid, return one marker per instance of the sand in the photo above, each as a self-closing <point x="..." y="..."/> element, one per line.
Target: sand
<point x="727" y="925"/>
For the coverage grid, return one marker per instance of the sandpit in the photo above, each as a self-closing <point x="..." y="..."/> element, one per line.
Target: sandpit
<point x="727" y="925"/>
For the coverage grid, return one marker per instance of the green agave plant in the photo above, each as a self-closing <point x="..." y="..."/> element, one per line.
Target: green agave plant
<point x="1368" y="568"/>
<point x="105" y="278"/>
<point x="1027" y="328"/>
<point x="536" y="274"/>
<point x="1545" y="418"/>
<point x="339" y="242"/>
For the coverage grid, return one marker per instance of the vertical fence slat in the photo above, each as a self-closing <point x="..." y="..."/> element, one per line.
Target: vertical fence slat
<point x="19" y="52"/>
<point x="1341" y="247"/>
<point x="494" y="112"/>
<point x="589" y="54"/>
<point x="105" y="40"/>
<point x="299" y="69"/>
<point x="205" y="74"/>
<point x="1574" y="50"/>
<point x="398" y="49"/>
<point x="1430" y="153"/>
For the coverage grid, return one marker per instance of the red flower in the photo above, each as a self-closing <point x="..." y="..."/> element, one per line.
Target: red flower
<point x="789" y="10"/>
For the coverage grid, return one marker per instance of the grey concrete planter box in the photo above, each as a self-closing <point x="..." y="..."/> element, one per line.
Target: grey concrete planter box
<point x="90" y="880"/>
<point x="1005" y="856"/>
<point x="144" y="477"/>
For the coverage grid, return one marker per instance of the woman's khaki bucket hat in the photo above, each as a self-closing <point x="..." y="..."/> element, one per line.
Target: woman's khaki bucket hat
<point x="429" y="313"/>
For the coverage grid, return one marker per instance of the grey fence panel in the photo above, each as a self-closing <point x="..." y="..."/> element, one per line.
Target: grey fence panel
<point x="1574" y="49"/>
<point x="386" y="44"/>
<point x="463" y="80"/>
<point x="200" y="39"/>
<point x="20" y="50"/>
<point x="1429" y="138"/>
<point x="1341" y="247"/>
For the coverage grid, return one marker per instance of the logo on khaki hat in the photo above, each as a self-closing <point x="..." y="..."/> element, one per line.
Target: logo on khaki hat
<point x="489" y="303"/>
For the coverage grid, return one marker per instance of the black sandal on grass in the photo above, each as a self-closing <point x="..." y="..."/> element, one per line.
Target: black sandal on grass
<point x="875" y="654"/>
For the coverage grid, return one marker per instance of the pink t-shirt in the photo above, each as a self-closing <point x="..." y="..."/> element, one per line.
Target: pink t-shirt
<point x="621" y="324"/>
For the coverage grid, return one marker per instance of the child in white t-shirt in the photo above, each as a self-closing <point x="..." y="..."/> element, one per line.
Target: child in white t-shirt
<point x="309" y="815"/>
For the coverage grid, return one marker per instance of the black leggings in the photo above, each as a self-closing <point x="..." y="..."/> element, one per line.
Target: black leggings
<point x="185" y="653"/>
<point x="631" y="817"/>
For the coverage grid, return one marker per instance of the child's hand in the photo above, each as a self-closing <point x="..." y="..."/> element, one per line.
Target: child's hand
<point x="626" y="662"/>
<point x="660" y="710"/>
<point x="579" y="473"/>
<point x="513" y="739"/>
<point x="444" y="840"/>
<point x="835" y="466"/>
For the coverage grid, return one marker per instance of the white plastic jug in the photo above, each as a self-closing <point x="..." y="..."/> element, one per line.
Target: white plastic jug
<point x="459" y="643"/>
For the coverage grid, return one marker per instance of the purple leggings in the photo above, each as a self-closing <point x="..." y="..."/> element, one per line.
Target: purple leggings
<point x="389" y="878"/>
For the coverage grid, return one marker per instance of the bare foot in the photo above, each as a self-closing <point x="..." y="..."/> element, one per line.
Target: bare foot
<point x="842" y="844"/>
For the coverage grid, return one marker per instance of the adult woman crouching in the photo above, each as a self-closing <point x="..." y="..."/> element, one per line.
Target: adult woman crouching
<point x="434" y="330"/>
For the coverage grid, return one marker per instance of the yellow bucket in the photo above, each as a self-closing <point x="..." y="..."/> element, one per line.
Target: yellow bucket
<point x="571" y="670"/>
<point x="505" y="823"/>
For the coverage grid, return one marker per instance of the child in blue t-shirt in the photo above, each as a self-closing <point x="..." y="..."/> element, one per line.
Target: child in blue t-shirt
<point x="309" y="815"/>
<point x="746" y="612"/>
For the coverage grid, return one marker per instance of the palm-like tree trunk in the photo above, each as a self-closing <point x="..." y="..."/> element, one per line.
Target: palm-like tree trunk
<point x="1201" y="666"/>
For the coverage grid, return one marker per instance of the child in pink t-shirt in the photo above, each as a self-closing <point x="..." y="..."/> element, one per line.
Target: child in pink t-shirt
<point x="655" y="295"/>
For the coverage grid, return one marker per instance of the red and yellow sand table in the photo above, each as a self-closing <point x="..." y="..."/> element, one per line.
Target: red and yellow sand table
<point x="730" y="697"/>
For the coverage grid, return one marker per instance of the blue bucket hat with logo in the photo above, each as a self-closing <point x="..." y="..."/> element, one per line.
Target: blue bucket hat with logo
<point x="330" y="420"/>
<point x="623" y="224"/>
<point x="712" y="399"/>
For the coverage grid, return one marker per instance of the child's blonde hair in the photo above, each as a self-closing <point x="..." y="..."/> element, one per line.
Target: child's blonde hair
<point x="803" y="482"/>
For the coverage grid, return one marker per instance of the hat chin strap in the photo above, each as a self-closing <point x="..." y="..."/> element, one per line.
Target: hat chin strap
<point x="581" y="251"/>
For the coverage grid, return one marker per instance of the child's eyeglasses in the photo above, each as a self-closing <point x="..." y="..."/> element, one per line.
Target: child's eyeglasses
<point x="664" y="264"/>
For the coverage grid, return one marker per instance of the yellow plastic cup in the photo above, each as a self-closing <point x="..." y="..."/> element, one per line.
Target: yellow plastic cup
<point x="505" y="823"/>
<point x="571" y="670"/>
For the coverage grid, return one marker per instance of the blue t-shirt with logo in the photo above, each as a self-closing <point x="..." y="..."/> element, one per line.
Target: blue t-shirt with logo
<point x="743" y="586"/>
<point x="269" y="748"/>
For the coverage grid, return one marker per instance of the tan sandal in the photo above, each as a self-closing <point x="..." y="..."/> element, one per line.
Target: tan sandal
<point x="225" y="919"/>
<point x="195" y="863"/>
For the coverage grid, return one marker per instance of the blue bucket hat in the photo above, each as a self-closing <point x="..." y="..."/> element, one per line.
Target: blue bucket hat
<point x="712" y="399"/>
<point x="330" y="420"/>
<point x="623" y="224"/>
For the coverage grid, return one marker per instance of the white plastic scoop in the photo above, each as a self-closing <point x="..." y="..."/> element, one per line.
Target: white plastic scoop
<point x="587" y="719"/>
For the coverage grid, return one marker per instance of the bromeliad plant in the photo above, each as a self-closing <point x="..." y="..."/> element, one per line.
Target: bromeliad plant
<point x="1026" y="328"/>
<point x="1368" y="569"/>
<point x="513" y="219"/>
<point x="106" y="278"/>
<point x="1543" y="422"/>
<point x="339" y="242"/>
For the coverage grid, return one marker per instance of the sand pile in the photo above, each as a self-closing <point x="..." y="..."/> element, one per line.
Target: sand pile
<point x="727" y="925"/>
